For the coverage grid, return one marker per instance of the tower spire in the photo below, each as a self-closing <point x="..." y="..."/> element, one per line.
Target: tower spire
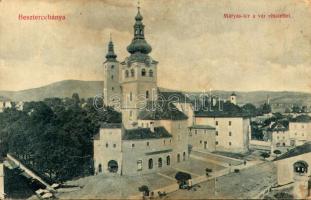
<point x="111" y="56"/>
<point x="139" y="44"/>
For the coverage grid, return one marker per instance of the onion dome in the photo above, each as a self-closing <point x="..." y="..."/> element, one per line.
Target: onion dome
<point x="139" y="44"/>
<point x="111" y="56"/>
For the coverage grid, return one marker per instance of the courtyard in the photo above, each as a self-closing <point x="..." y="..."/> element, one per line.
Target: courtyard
<point x="116" y="187"/>
<point x="246" y="184"/>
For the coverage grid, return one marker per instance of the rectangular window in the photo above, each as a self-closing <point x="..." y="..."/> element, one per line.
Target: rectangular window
<point x="230" y="134"/>
<point x="229" y="143"/>
<point x="229" y="123"/>
<point x="216" y="123"/>
<point x="114" y="145"/>
<point x="216" y="133"/>
<point x="195" y="131"/>
<point x="133" y="145"/>
<point x="200" y="141"/>
<point x="147" y="143"/>
<point x="139" y="165"/>
<point x="216" y="143"/>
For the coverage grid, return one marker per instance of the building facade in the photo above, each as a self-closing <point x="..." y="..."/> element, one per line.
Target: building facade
<point x="293" y="168"/>
<point x="300" y="130"/>
<point x="232" y="132"/>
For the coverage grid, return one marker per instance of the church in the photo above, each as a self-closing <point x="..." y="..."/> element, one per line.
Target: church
<point x="159" y="129"/>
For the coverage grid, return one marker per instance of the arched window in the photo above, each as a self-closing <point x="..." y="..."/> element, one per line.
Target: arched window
<point x="147" y="94"/>
<point x="178" y="157"/>
<point x="160" y="162"/>
<point x="143" y="72"/>
<point x="301" y="167"/>
<point x="126" y="73"/>
<point x="168" y="160"/>
<point x="150" y="163"/>
<point x="100" y="168"/>
<point x="132" y="73"/>
<point x="150" y="73"/>
<point x="184" y="156"/>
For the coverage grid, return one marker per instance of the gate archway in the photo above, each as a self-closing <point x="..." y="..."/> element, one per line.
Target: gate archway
<point x="113" y="166"/>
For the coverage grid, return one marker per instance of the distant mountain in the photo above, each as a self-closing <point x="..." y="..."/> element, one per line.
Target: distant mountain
<point x="260" y="97"/>
<point x="87" y="89"/>
<point x="61" y="89"/>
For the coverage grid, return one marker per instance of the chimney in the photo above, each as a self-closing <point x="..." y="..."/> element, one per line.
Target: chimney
<point x="152" y="127"/>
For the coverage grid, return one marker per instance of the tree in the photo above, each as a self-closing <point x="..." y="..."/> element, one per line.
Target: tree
<point x="265" y="155"/>
<point x="250" y="109"/>
<point x="76" y="98"/>
<point x="277" y="152"/>
<point x="182" y="177"/>
<point x="265" y="108"/>
<point x="144" y="189"/>
<point x="296" y="109"/>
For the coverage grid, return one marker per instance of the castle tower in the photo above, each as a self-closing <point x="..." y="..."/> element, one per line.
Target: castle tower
<point x="112" y="89"/>
<point x="138" y="76"/>
<point x="233" y="98"/>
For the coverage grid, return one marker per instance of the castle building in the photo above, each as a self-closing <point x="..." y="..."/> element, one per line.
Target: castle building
<point x="158" y="128"/>
<point x="153" y="134"/>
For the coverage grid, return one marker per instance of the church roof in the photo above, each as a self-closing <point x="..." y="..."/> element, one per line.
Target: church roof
<point x="146" y="133"/>
<point x="299" y="150"/>
<point x="175" y="96"/>
<point x="161" y="110"/>
<point x="111" y="56"/>
<point x="139" y="44"/>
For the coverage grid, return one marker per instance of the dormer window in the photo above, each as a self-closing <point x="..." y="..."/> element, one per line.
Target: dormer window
<point x="132" y="73"/>
<point x="150" y="73"/>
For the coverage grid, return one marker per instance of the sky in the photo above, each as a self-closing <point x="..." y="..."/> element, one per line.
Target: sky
<point x="196" y="47"/>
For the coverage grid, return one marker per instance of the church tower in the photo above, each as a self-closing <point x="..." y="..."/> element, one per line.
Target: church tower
<point x="138" y="76"/>
<point x="112" y="89"/>
<point x="233" y="98"/>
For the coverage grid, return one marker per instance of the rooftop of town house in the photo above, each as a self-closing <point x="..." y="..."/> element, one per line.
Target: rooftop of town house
<point x="302" y="119"/>
<point x="111" y="125"/>
<point x="221" y="109"/>
<point x="146" y="133"/>
<point x="278" y="126"/>
<point x="161" y="110"/>
<point x="299" y="150"/>
<point x="195" y="126"/>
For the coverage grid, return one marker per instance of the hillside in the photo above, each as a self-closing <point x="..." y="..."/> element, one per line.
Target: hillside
<point x="58" y="89"/>
<point x="87" y="89"/>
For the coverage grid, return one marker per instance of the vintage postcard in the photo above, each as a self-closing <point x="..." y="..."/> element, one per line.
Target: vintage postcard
<point x="144" y="99"/>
